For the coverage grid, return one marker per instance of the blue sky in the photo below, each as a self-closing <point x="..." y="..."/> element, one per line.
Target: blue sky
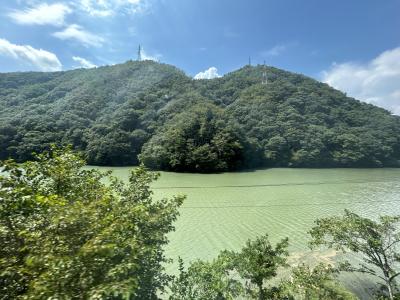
<point x="352" y="45"/>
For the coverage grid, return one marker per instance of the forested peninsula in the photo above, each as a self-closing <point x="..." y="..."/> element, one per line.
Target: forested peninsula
<point x="152" y="113"/>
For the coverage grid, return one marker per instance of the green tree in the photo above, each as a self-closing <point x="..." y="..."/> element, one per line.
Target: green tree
<point x="198" y="140"/>
<point x="234" y="275"/>
<point x="318" y="283"/>
<point x="65" y="234"/>
<point x="258" y="262"/>
<point x="207" y="280"/>
<point x="376" y="241"/>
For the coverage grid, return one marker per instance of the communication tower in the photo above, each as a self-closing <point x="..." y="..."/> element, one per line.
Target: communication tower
<point x="139" y="54"/>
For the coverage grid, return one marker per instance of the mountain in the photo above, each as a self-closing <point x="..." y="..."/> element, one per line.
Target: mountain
<point x="152" y="112"/>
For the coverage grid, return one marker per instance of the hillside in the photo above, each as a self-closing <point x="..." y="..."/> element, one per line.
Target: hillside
<point x="116" y="113"/>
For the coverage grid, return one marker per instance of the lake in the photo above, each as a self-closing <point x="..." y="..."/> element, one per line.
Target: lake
<point x="223" y="210"/>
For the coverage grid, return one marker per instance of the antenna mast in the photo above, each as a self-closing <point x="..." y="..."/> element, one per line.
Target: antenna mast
<point x="139" y="54"/>
<point x="264" y="75"/>
<point x="249" y="61"/>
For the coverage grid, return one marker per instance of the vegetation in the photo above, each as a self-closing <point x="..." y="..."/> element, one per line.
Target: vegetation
<point x="252" y="274"/>
<point x="197" y="141"/>
<point x="207" y="280"/>
<point x="232" y="274"/>
<point x="258" y="262"/>
<point x="112" y="114"/>
<point x="378" y="242"/>
<point x="319" y="282"/>
<point x="67" y="235"/>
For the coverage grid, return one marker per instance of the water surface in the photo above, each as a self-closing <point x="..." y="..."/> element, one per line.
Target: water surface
<point x="223" y="210"/>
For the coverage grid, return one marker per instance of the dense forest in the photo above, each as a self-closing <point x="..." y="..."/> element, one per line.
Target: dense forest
<point x="143" y="111"/>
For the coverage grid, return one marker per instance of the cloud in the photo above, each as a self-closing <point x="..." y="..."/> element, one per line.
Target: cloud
<point x="147" y="56"/>
<point x="210" y="73"/>
<point x="43" y="14"/>
<point x="106" y="8"/>
<point x="83" y="63"/>
<point x="279" y="49"/>
<point x="76" y="32"/>
<point x="376" y="82"/>
<point x="38" y="58"/>
<point x="275" y="51"/>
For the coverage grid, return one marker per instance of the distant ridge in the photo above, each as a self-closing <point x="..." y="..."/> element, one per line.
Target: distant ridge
<point x="114" y="113"/>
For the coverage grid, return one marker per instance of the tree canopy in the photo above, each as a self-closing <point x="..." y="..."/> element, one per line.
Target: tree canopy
<point x="65" y="234"/>
<point x="377" y="242"/>
<point x="115" y="114"/>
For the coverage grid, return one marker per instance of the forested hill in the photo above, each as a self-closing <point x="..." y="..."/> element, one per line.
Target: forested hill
<point x="153" y="111"/>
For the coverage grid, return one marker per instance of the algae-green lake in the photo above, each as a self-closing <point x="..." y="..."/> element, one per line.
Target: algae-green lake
<point x="223" y="210"/>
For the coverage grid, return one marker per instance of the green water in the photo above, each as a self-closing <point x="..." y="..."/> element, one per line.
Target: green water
<point x="222" y="211"/>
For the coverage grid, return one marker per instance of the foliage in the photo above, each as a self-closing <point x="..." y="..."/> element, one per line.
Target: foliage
<point x="233" y="275"/>
<point x="259" y="261"/>
<point x="317" y="283"/>
<point x="252" y="273"/>
<point x="65" y="234"/>
<point x="377" y="242"/>
<point x="197" y="141"/>
<point x="207" y="281"/>
<point x="114" y="113"/>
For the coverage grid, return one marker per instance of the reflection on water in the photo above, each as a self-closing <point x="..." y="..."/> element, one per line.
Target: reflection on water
<point x="222" y="211"/>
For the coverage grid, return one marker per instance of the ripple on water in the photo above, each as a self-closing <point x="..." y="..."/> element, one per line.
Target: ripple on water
<point x="222" y="211"/>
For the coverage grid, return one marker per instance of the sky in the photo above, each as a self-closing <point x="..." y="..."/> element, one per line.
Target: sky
<point x="353" y="45"/>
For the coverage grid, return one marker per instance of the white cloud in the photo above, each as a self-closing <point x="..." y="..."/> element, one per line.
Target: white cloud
<point x="38" y="58"/>
<point x="106" y="8"/>
<point x="83" y="63"/>
<point x="43" y="14"/>
<point x="376" y="82"/>
<point x="277" y="50"/>
<point x="147" y="56"/>
<point x="210" y="73"/>
<point x="76" y="32"/>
